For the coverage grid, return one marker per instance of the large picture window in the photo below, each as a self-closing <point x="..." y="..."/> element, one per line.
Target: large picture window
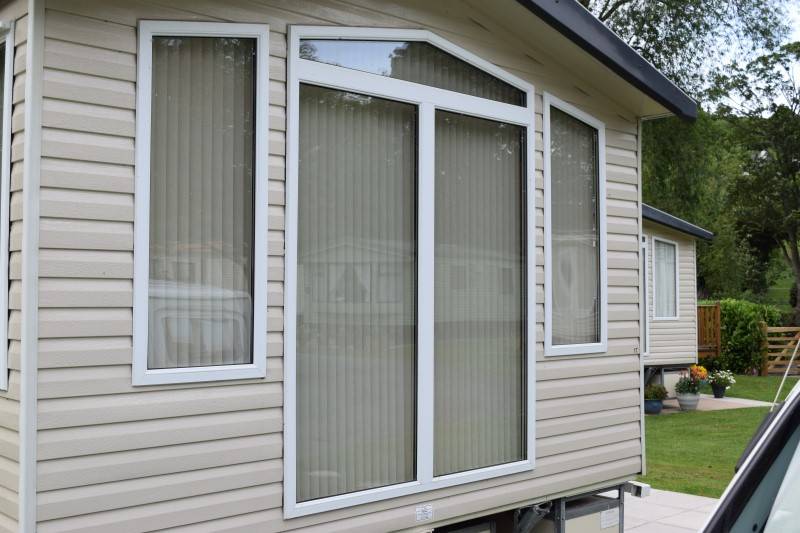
<point x="409" y="312"/>
<point x="575" y="241"/>
<point x="199" y="299"/>
<point x="6" y="101"/>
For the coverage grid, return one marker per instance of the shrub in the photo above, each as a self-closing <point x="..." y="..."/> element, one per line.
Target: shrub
<point x="655" y="392"/>
<point x="742" y="336"/>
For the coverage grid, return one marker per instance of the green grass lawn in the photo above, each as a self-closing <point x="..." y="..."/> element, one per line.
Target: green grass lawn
<point x="778" y="293"/>
<point x="695" y="452"/>
<point x="757" y="387"/>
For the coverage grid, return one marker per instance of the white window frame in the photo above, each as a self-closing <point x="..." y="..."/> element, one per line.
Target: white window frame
<point x="428" y="99"/>
<point x="141" y="277"/>
<point x="7" y="35"/>
<point x="677" y="281"/>
<point x="645" y="301"/>
<point x="551" y="350"/>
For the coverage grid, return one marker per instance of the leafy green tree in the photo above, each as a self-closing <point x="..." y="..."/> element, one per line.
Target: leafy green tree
<point x="705" y="46"/>
<point x="693" y="41"/>
<point x="765" y="199"/>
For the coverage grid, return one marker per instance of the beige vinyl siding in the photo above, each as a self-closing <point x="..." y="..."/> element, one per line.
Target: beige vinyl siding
<point x="9" y="401"/>
<point x="207" y="457"/>
<point x="673" y="342"/>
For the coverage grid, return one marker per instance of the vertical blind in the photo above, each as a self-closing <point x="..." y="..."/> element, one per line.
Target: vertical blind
<point x="201" y="202"/>
<point x="664" y="277"/>
<point x="356" y="296"/>
<point x="574" y="227"/>
<point x="479" y="287"/>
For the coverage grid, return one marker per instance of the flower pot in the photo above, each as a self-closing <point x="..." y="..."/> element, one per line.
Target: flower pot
<point x="719" y="390"/>
<point x="688" y="402"/>
<point x="653" y="407"/>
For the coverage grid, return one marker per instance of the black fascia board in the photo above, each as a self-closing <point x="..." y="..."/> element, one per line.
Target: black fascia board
<point x="577" y="24"/>
<point x="665" y="219"/>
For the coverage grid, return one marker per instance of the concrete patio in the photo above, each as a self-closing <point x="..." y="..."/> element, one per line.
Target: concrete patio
<point x="709" y="403"/>
<point x="666" y="512"/>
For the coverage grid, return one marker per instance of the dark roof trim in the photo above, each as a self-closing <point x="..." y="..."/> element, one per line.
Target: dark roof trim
<point x="665" y="219"/>
<point x="577" y="24"/>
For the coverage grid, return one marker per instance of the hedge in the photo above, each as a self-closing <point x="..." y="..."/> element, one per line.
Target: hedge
<point x="742" y="336"/>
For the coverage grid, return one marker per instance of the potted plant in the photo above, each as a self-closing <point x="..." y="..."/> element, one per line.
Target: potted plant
<point x="720" y="381"/>
<point x="654" y="396"/>
<point x="688" y="387"/>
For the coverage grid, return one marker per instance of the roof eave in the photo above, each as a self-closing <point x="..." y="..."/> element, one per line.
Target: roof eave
<point x="665" y="219"/>
<point x="581" y="27"/>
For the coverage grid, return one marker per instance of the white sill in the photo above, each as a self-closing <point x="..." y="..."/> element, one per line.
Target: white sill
<point x="200" y="374"/>
<point x="294" y="510"/>
<point x="575" y="349"/>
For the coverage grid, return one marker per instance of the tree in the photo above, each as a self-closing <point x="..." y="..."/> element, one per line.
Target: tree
<point x="765" y="199"/>
<point x="689" y="170"/>
<point x="693" y="41"/>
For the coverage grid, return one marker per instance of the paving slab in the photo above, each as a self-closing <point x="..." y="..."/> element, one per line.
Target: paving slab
<point x="666" y="512"/>
<point x="693" y="520"/>
<point x="654" y="527"/>
<point x="709" y="403"/>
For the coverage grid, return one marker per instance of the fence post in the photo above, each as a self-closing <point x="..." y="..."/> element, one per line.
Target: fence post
<point x="764" y="350"/>
<point x="718" y="328"/>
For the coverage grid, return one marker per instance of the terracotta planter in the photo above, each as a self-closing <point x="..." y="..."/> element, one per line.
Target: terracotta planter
<point x="688" y="402"/>
<point x="653" y="407"/>
<point x="719" y="390"/>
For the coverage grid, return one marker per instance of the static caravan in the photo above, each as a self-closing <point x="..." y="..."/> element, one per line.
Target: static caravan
<point x="669" y="303"/>
<point x="318" y="265"/>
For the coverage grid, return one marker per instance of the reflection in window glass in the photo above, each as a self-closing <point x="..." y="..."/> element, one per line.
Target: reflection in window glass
<point x="479" y="321"/>
<point x="201" y="202"/>
<point x="575" y="232"/>
<point x="415" y="61"/>
<point x="666" y="300"/>
<point x="356" y="302"/>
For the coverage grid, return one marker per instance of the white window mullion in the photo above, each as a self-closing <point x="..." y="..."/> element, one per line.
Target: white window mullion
<point x="406" y="91"/>
<point x="425" y="288"/>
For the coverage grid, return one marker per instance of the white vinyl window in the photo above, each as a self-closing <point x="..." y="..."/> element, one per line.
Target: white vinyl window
<point x="665" y="279"/>
<point x="201" y="202"/>
<point x="409" y="314"/>
<point x="645" y="292"/>
<point x="576" y="321"/>
<point x="7" y="81"/>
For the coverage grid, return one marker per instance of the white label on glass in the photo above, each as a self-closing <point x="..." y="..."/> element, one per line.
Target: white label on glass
<point x="609" y="518"/>
<point x="424" y="512"/>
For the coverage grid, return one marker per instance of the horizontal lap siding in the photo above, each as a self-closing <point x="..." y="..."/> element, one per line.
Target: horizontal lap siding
<point x="208" y="457"/>
<point x="674" y="342"/>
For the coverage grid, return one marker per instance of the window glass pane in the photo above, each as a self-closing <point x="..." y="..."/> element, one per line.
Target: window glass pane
<point x="356" y="295"/>
<point x="415" y="61"/>
<point x="666" y="301"/>
<point x="645" y="297"/>
<point x="574" y="226"/>
<point x="2" y="79"/>
<point x="201" y="202"/>
<point x="479" y="294"/>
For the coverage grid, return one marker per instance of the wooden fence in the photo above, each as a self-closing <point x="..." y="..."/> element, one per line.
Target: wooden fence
<point x="708" y="330"/>
<point x="780" y="344"/>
